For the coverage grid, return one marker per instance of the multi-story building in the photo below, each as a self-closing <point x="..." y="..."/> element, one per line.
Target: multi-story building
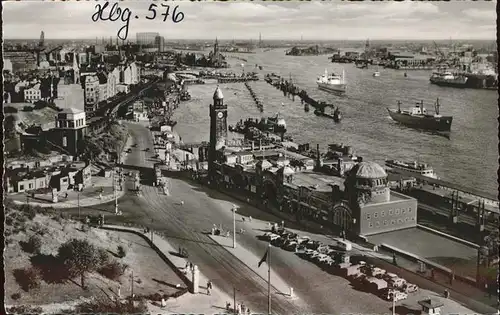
<point x="146" y="38"/>
<point x="160" y="43"/>
<point x="91" y="94"/>
<point x="112" y="81"/>
<point x="33" y="93"/>
<point x="70" y="130"/>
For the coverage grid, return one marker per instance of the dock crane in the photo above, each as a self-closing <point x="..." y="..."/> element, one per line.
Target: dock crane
<point x="440" y="53"/>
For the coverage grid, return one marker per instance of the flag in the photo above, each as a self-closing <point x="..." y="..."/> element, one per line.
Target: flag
<point x="264" y="258"/>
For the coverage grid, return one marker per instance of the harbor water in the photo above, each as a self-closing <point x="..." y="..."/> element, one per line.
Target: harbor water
<point x="467" y="157"/>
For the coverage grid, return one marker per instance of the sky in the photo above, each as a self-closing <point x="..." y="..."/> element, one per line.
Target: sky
<point x="329" y="20"/>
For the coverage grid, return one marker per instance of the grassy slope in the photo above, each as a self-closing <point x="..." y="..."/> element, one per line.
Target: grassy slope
<point x="140" y="258"/>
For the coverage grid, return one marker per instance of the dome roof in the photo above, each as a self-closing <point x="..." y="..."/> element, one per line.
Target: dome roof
<point x="288" y="170"/>
<point x="264" y="164"/>
<point x="368" y="170"/>
<point x="218" y="94"/>
<point x="71" y="110"/>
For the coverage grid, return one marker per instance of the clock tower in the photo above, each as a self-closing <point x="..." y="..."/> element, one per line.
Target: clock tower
<point x="218" y="126"/>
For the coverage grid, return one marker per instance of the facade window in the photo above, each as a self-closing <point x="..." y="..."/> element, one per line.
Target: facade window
<point x="382" y="213"/>
<point x="377" y="224"/>
<point x="368" y="216"/>
<point x="21" y="187"/>
<point x="392" y="222"/>
<point x="385" y="222"/>
<point x="30" y="186"/>
<point x="397" y="211"/>
<point x="403" y="211"/>
<point x="370" y="224"/>
<point x="390" y="212"/>
<point x="406" y="219"/>
<point x="65" y="180"/>
<point x="375" y="215"/>
<point x="412" y="218"/>
<point x="409" y="210"/>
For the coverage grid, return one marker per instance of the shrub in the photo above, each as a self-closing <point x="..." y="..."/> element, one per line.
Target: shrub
<point x="107" y="306"/>
<point x="16" y="296"/>
<point x="24" y="309"/>
<point x="27" y="278"/>
<point x="40" y="104"/>
<point x="10" y="110"/>
<point x="103" y="257"/>
<point x="27" y="108"/>
<point x="113" y="270"/>
<point x="34" y="244"/>
<point x="121" y="251"/>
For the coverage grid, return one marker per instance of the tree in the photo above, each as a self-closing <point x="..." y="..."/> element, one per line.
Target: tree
<point x="79" y="257"/>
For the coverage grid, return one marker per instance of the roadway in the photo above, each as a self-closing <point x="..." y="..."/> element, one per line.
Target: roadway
<point x="186" y="225"/>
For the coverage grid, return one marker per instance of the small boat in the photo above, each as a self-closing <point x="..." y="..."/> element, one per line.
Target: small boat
<point x="376" y="74"/>
<point x="410" y="168"/>
<point x="417" y="117"/>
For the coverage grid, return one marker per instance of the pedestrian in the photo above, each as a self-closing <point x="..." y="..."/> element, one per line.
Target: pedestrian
<point x="446" y="294"/>
<point x="66" y="196"/>
<point x="191" y="266"/>
<point x="187" y="265"/>
<point x="209" y="286"/>
<point x="250" y="219"/>
<point x="243" y="308"/>
<point x="394" y="259"/>
<point x="182" y="202"/>
<point x="239" y="308"/>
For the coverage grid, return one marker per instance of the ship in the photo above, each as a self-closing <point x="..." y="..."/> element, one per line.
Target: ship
<point x="417" y="117"/>
<point x="409" y="168"/>
<point x="332" y="82"/>
<point x="376" y="74"/>
<point x="274" y="124"/>
<point x="447" y="78"/>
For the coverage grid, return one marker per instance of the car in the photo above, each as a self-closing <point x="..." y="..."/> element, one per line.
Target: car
<point x="396" y="296"/>
<point x="303" y="239"/>
<point x="322" y="248"/>
<point x="410" y="288"/>
<point x="397" y="282"/>
<point x="291" y="246"/>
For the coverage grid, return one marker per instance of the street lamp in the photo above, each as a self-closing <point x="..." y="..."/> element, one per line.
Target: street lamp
<point x="234" y="225"/>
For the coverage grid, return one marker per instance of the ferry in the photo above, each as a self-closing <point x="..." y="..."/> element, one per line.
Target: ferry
<point x="332" y="82"/>
<point x="411" y="168"/>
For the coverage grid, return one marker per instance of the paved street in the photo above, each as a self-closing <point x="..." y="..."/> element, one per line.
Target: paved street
<point x="187" y="224"/>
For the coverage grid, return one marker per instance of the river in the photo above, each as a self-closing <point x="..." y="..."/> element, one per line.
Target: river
<point x="468" y="157"/>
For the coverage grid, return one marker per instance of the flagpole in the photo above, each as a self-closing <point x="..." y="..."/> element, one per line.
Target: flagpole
<point x="269" y="281"/>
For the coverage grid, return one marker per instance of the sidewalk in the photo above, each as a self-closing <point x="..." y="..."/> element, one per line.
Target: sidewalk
<point x="88" y="197"/>
<point x="200" y="303"/>
<point x="251" y="260"/>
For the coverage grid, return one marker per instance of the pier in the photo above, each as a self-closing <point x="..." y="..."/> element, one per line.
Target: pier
<point x="257" y="101"/>
<point x="288" y="88"/>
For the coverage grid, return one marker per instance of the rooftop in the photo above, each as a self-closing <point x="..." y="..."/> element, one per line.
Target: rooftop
<point x="71" y="110"/>
<point x="321" y="181"/>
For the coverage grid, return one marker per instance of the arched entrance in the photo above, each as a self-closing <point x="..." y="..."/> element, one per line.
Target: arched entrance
<point x="269" y="192"/>
<point x="342" y="216"/>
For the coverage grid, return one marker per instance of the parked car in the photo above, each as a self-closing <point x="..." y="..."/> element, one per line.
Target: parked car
<point x="303" y="239"/>
<point x="410" y="288"/>
<point x="290" y="245"/>
<point x="397" y="282"/>
<point x="396" y="295"/>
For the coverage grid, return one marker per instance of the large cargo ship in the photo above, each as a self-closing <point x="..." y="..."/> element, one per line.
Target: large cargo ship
<point x="488" y="80"/>
<point x="410" y="168"/>
<point x="447" y="78"/>
<point x="417" y="117"/>
<point x="332" y="82"/>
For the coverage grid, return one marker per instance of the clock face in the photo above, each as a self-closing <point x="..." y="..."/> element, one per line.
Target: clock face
<point x="220" y="115"/>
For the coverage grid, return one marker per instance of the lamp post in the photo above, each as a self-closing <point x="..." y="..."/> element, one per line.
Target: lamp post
<point x="79" y="214"/>
<point x="234" y="225"/>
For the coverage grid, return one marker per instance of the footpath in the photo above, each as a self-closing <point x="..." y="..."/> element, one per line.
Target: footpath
<point x="200" y="303"/>
<point x="278" y="285"/>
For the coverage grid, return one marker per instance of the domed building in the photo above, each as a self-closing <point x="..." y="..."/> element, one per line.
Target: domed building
<point x="376" y="208"/>
<point x="367" y="182"/>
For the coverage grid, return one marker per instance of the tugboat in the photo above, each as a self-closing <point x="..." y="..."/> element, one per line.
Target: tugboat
<point x="410" y="168"/>
<point x="417" y="117"/>
<point x="332" y="82"/>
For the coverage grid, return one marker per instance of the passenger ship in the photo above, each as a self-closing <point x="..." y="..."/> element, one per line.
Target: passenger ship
<point x="332" y="82"/>
<point x="411" y="168"/>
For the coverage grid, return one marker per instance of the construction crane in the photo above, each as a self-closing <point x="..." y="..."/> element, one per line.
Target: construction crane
<point x="440" y="53"/>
